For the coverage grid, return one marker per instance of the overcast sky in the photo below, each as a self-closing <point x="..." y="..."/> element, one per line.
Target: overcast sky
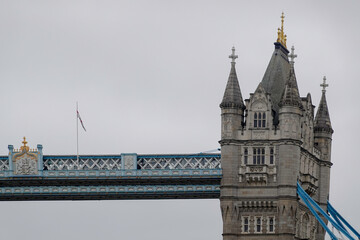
<point x="149" y="77"/>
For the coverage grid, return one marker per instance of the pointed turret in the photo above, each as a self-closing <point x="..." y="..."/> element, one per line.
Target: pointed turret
<point x="232" y="96"/>
<point x="290" y="95"/>
<point x="322" y="118"/>
<point x="232" y="105"/>
<point x="290" y="104"/>
<point x="322" y="141"/>
<point x="277" y="71"/>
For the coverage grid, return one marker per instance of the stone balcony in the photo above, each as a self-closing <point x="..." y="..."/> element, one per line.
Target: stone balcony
<point x="257" y="174"/>
<point x="309" y="183"/>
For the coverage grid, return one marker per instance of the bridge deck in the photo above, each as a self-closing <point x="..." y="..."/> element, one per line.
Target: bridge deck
<point x="125" y="176"/>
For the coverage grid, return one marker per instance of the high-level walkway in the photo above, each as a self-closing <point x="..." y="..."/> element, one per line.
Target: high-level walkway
<point x="123" y="176"/>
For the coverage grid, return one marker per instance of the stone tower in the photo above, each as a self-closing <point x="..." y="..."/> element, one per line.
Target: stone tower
<point x="268" y="144"/>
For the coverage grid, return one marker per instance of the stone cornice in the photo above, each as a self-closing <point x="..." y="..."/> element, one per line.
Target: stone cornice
<point x="318" y="160"/>
<point x="260" y="141"/>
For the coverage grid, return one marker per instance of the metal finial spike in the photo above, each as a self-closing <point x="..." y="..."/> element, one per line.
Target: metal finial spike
<point x="324" y="85"/>
<point x="233" y="56"/>
<point x="292" y="56"/>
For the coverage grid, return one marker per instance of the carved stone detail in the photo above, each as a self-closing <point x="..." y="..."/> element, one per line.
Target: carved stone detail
<point x="26" y="165"/>
<point x="259" y="134"/>
<point x="129" y="162"/>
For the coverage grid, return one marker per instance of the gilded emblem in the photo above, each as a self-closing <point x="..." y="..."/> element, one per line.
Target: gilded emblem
<point x="25" y="160"/>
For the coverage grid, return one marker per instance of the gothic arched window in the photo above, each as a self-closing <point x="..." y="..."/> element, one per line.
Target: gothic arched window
<point x="259" y="119"/>
<point x="258" y="225"/>
<point x="264" y="120"/>
<point x="259" y="155"/>
<point x="271" y="224"/>
<point x="246" y="224"/>
<point x="271" y="155"/>
<point x="255" y="120"/>
<point x="305" y="226"/>
<point x="246" y="154"/>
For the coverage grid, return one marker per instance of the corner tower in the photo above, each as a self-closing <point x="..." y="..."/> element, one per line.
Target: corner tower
<point x="268" y="144"/>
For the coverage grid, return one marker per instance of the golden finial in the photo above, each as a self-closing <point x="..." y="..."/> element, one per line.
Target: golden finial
<point x="24" y="147"/>
<point x="281" y="36"/>
<point x="24" y="142"/>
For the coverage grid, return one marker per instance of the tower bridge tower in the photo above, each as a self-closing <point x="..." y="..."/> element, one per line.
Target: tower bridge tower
<point x="270" y="142"/>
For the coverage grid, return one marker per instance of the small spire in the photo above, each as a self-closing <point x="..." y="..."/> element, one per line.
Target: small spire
<point x="322" y="118"/>
<point x="292" y="56"/>
<point x="281" y="36"/>
<point x="290" y="95"/>
<point x="232" y="95"/>
<point x="233" y="56"/>
<point x="324" y="85"/>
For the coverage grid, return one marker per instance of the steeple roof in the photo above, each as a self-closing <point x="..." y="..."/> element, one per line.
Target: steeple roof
<point x="322" y="118"/>
<point x="277" y="71"/>
<point x="290" y="95"/>
<point x="232" y="96"/>
<point x="276" y="74"/>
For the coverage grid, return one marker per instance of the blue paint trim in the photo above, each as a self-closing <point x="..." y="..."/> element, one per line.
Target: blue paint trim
<point x="119" y="156"/>
<point x="81" y="156"/>
<point x="181" y="156"/>
<point x="40" y="159"/>
<point x="197" y="173"/>
<point x="5" y="174"/>
<point x="55" y="190"/>
<point x="161" y="173"/>
<point x="46" y="157"/>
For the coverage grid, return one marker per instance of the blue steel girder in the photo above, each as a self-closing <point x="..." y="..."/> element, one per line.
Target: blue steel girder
<point x="125" y="176"/>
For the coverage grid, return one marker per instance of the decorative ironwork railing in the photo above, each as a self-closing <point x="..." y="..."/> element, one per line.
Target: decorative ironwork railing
<point x="52" y="163"/>
<point x="179" y="162"/>
<point x="4" y="163"/>
<point x="116" y="162"/>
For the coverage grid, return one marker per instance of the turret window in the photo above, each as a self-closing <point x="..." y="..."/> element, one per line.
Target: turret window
<point x="271" y="224"/>
<point x="271" y="155"/>
<point x="246" y="224"/>
<point x="258" y="155"/>
<point x="246" y="155"/>
<point x="258" y="225"/>
<point x="259" y="120"/>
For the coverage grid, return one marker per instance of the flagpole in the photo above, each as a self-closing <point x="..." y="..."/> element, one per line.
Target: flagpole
<point x="77" y="136"/>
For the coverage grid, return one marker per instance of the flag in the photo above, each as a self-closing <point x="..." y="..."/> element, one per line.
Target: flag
<point x="82" y="124"/>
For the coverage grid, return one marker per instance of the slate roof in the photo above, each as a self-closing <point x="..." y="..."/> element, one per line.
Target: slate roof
<point x="232" y="96"/>
<point x="290" y="95"/>
<point x="276" y="75"/>
<point x="322" y="118"/>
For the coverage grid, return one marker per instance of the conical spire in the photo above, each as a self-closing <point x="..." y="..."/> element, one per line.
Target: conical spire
<point x="322" y="118"/>
<point x="276" y="74"/>
<point x="232" y="96"/>
<point x="290" y="95"/>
